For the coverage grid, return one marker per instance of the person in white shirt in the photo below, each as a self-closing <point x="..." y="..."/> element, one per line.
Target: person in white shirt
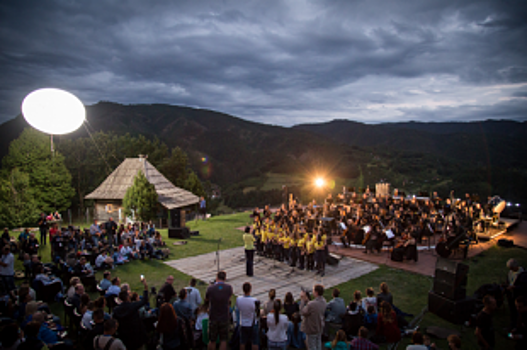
<point x="277" y="324"/>
<point x="193" y="295"/>
<point x="371" y="299"/>
<point x="7" y="269"/>
<point x="88" y="315"/>
<point x="248" y="308"/>
<point x="103" y="259"/>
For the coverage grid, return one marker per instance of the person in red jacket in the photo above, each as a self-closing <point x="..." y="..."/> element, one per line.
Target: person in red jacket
<point x="387" y="324"/>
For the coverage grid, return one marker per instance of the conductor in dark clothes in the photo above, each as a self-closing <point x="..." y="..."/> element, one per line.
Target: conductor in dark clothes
<point x="248" y="240"/>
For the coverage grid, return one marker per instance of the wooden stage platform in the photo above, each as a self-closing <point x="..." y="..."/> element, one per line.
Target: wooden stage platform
<point x="512" y="229"/>
<point x="267" y="273"/>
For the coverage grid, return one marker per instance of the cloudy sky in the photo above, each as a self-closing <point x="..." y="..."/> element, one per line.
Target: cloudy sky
<point x="277" y="62"/>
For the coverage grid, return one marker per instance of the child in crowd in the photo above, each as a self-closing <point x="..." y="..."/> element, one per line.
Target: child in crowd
<point x="371" y="299"/>
<point x="370" y="319"/>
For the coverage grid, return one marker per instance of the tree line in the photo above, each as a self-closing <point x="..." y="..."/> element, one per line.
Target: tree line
<point x="34" y="179"/>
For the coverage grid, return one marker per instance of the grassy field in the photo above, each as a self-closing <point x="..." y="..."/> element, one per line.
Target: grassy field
<point x="410" y="290"/>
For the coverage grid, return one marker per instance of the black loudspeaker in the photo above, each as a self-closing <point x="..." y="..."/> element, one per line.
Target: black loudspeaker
<point x="181" y="233"/>
<point x="458" y="269"/>
<point x="449" y="291"/>
<point x="177" y="218"/>
<point x="450" y="279"/>
<point x="456" y="312"/>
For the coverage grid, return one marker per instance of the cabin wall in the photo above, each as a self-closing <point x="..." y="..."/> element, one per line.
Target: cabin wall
<point x="104" y="209"/>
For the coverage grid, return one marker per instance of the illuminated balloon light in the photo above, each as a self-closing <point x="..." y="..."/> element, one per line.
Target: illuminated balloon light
<point x="53" y="111"/>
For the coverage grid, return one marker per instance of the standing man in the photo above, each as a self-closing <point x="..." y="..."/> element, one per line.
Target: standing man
<point x="7" y="269"/>
<point x="219" y="295"/>
<point x="203" y="207"/>
<point x="313" y="313"/>
<point x="194" y="296"/>
<point x="248" y="240"/>
<point x="249" y="308"/>
<point x="43" y="227"/>
<point x="484" y="327"/>
<point x="167" y="290"/>
<point x="110" y="227"/>
<point x="133" y="332"/>
<point x="95" y="232"/>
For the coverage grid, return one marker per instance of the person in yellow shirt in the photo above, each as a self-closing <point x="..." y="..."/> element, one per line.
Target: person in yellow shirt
<point x="286" y="243"/>
<point x="258" y="239"/>
<point x="248" y="240"/>
<point x="320" y="254"/>
<point x="310" y="247"/>
<point x="292" y="249"/>
<point x="302" y="252"/>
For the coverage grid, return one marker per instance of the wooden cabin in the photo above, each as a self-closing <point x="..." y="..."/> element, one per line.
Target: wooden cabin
<point x="109" y="195"/>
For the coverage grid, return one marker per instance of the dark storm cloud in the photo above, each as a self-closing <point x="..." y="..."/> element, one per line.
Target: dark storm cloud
<point x="279" y="62"/>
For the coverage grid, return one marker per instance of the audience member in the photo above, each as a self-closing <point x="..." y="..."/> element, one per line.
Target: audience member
<point x="387" y="324"/>
<point x="295" y="337"/>
<point x="75" y="300"/>
<point x="169" y="327"/>
<point x="106" y="281"/>
<point x="269" y="304"/>
<point x="32" y="341"/>
<point x="248" y="308"/>
<point x="182" y="306"/>
<point x="519" y="334"/>
<point x="484" y="327"/>
<point x="7" y="269"/>
<point x="71" y="290"/>
<point x="370" y="318"/>
<point x="132" y="330"/>
<point x="313" y="316"/>
<point x="167" y="290"/>
<point x="277" y="324"/>
<point x="336" y="308"/>
<point x="417" y="342"/>
<point x="219" y="295"/>
<point x="362" y="342"/>
<point x="193" y="295"/>
<point x="339" y="343"/>
<point x="454" y="342"/>
<point x="11" y="336"/>
<point x="107" y="341"/>
<point x="96" y="329"/>
<point x="115" y="288"/>
<point x="290" y="306"/>
<point x="384" y="295"/>
<point x="370" y="299"/>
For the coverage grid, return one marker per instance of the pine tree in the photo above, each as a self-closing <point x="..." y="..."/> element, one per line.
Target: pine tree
<point x="141" y="199"/>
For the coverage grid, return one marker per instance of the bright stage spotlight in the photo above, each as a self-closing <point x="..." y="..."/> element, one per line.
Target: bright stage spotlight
<point x="320" y="182"/>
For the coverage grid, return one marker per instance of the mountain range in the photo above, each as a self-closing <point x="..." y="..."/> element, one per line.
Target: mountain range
<point x="483" y="156"/>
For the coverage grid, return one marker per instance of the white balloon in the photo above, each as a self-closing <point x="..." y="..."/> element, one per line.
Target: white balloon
<point x="53" y="111"/>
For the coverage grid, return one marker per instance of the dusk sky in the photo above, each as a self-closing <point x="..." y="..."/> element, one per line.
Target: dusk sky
<point x="276" y="62"/>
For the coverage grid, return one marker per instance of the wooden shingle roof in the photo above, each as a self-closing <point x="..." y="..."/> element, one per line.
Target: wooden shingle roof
<point x="116" y="185"/>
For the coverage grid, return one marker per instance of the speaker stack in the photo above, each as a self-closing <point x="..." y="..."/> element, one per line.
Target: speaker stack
<point x="176" y="228"/>
<point x="448" y="299"/>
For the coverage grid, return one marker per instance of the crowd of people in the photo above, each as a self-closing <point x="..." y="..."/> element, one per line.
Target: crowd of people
<point x="121" y="318"/>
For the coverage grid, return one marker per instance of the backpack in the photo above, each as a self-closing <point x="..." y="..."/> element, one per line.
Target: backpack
<point x="106" y="347"/>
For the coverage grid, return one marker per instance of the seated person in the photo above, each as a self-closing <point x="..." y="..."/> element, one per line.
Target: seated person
<point x="106" y="281"/>
<point x="118" y="258"/>
<point x="335" y="308"/>
<point x="158" y="240"/>
<point x="146" y="250"/>
<point x="115" y="288"/>
<point x="83" y="268"/>
<point x="48" y="336"/>
<point x="370" y="318"/>
<point x="32" y="341"/>
<point x="46" y="279"/>
<point x="128" y="252"/>
<point x="104" y="261"/>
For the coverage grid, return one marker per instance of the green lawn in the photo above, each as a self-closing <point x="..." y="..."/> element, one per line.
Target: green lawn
<point x="410" y="290"/>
